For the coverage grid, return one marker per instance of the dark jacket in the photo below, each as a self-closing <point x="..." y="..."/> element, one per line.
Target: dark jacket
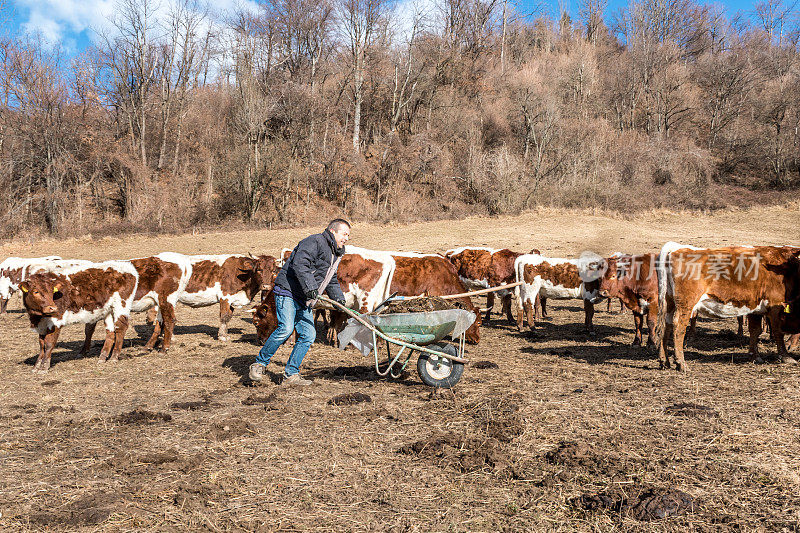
<point x="306" y="267"/>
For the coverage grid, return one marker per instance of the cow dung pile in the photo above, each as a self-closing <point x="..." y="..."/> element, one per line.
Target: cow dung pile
<point x="420" y="305"/>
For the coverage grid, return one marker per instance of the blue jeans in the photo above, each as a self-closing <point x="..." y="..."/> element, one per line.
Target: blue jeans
<point x="291" y="315"/>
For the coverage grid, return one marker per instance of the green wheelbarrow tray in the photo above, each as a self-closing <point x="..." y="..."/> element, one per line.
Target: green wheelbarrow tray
<point x="414" y="328"/>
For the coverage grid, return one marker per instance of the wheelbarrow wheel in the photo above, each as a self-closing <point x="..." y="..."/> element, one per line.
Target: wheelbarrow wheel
<point x="437" y="371"/>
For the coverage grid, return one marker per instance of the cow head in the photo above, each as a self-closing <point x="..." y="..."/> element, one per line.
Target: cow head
<point x="257" y="273"/>
<point x="266" y="269"/>
<point x="265" y="317"/>
<point x="611" y="283"/>
<point x="41" y="294"/>
<point x="473" y="333"/>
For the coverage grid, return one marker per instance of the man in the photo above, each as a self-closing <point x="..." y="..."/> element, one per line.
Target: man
<point x="309" y="271"/>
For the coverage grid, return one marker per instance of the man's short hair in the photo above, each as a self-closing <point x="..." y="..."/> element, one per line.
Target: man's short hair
<point x="337" y="223"/>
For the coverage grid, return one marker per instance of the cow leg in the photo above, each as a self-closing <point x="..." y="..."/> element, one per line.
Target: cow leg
<point x="108" y="344"/>
<point x="507" y="308"/>
<point x="338" y="322"/>
<point x="638" y="320"/>
<point x="3" y="305"/>
<point x="317" y="314"/>
<point x="690" y="332"/>
<point x="225" y="314"/>
<point x="157" y="328"/>
<point x="544" y="307"/>
<point x="608" y="305"/>
<point x="120" y="327"/>
<point x="663" y="360"/>
<point x="46" y="344"/>
<point x="489" y="306"/>
<point x="680" y="323"/>
<point x="520" y="313"/>
<point x="527" y="312"/>
<point x="754" y="328"/>
<point x="777" y="336"/>
<point x="330" y="331"/>
<point x="152" y="315"/>
<point x="740" y="329"/>
<point x="168" y="321"/>
<point x="88" y="331"/>
<point x="652" y="316"/>
<point x="588" y="313"/>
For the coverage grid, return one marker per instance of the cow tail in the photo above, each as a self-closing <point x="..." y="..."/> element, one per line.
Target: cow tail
<point x="663" y="272"/>
<point x="518" y="290"/>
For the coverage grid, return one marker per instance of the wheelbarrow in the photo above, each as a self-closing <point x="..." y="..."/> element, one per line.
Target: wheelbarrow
<point x="440" y="364"/>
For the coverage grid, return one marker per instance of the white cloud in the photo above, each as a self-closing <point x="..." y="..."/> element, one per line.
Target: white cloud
<point x="56" y="19"/>
<point x="60" y="20"/>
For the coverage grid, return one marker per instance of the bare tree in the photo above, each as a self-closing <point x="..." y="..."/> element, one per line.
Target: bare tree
<point x="361" y="21"/>
<point x="591" y="13"/>
<point x="131" y="60"/>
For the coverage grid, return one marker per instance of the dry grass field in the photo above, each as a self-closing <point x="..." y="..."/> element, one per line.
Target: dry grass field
<point x="181" y="441"/>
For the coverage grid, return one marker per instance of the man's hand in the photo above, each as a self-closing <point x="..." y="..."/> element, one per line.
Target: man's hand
<point x="312" y="294"/>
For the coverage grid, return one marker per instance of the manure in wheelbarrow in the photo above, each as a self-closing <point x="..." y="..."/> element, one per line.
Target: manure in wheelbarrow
<point x="420" y="305"/>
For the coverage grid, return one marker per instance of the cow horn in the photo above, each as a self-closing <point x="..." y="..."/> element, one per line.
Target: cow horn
<point x="251" y="310"/>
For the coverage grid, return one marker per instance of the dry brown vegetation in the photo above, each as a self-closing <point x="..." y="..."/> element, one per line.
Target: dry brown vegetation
<point x="179" y="117"/>
<point x="539" y="427"/>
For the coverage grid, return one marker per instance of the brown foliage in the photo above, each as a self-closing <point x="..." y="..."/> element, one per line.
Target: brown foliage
<point x="294" y="124"/>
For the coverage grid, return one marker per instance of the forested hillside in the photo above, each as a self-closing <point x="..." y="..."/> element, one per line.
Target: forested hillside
<point x="181" y="117"/>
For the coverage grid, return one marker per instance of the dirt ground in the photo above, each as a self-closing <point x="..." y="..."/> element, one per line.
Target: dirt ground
<point x="553" y="430"/>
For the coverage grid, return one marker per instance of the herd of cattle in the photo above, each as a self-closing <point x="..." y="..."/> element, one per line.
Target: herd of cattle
<point x="667" y="289"/>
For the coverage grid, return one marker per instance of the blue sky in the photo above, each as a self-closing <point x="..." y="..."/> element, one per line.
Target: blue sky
<point x="71" y="21"/>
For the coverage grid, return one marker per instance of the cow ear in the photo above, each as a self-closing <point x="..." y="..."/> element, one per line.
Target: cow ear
<point x="24" y="287"/>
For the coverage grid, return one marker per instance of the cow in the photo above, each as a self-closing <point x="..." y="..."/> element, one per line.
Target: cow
<point x="633" y="280"/>
<point x="365" y="277"/>
<point x="230" y="280"/>
<point x="431" y="275"/>
<point x="162" y="280"/>
<point x="555" y="278"/>
<point x="413" y="274"/>
<point x="83" y="294"/>
<point x="481" y="268"/>
<point x="13" y="271"/>
<point x="724" y="282"/>
<point x="265" y="317"/>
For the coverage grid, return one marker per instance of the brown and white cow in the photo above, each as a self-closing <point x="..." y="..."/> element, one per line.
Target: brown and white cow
<point x="482" y="268"/>
<point x="556" y="278"/>
<point x="365" y="277"/>
<point x="13" y="271"/>
<point x="633" y="280"/>
<point x="162" y="279"/>
<point x="724" y="282"/>
<point x="80" y="295"/>
<point x="230" y="280"/>
<point x="431" y="275"/>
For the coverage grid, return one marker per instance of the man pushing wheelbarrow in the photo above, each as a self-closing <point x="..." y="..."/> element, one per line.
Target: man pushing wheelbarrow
<point x="309" y="271"/>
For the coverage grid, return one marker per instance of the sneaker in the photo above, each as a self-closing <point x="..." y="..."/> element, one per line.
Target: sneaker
<point x="257" y="371"/>
<point x="295" y="379"/>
